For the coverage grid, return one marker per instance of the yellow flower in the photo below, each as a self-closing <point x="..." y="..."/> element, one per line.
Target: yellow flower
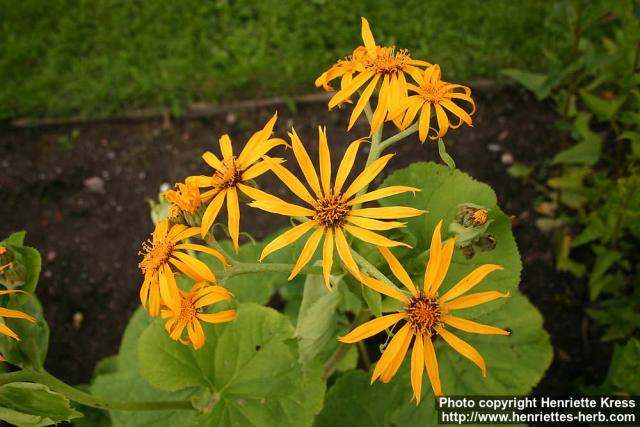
<point x="371" y="65"/>
<point x="163" y="251"/>
<point x="185" y="199"/>
<point x="480" y="217"/>
<point x="15" y="314"/>
<point x="187" y="313"/>
<point x="426" y="315"/>
<point x="3" y="250"/>
<point x="332" y="210"/>
<point x="230" y="175"/>
<point x="433" y="93"/>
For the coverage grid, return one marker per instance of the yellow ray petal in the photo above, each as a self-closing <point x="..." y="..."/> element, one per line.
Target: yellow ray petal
<point x="443" y="121"/>
<point x="186" y="269"/>
<point x="196" y="334"/>
<point x="7" y="312"/>
<point x="291" y="182"/>
<point x="327" y="257"/>
<point x="381" y="193"/>
<point x="201" y="269"/>
<point x="258" y="169"/>
<point x="213" y="161"/>
<point x="183" y="234"/>
<point x="383" y="288"/>
<point x="398" y="270"/>
<point x="424" y="121"/>
<point x="472" y="300"/>
<point x="346" y="164"/>
<point x="371" y="237"/>
<point x="261" y="150"/>
<point x="464" y="349"/>
<point x="325" y="160"/>
<point x="233" y="214"/>
<point x="287" y="238"/>
<point x="394" y="365"/>
<point x="225" y="147"/>
<point x="362" y="101"/>
<point x="391" y="352"/>
<point x="344" y="252"/>
<point x="282" y="208"/>
<point x="307" y="252"/>
<point x="5" y="330"/>
<point x="469" y="281"/>
<point x="374" y="224"/>
<point x="212" y="212"/>
<point x="217" y="294"/>
<point x="415" y="73"/>
<point x="12" y="291"/>
<point x="367" y="175"/>
<point x="367" y="38"/>
<point x="343" y="94"/>
<point x="473" y="327"/>
<point x="431" y="362"/>
<point x="169" y="288"/>
<point x="416" y="104"/>
<point x="443" y="267"/>
<point x="380" y="112"/>
<point x="161" y="230"/>
<point x="417" y="367"/>
<point x="434" y="260"/>
<point x="248" y="154"/>
<point x="306" y="165"/>
<point x="459" y="112"/>
<point x="220" y="317"/>
<point x="154" y="300"/>
<point x="202" y="248"/>
<point x="389" y="212"/>
<point x="372" y="327"/>
<point x="256" y="194"/>
<point x="144" y="290"/>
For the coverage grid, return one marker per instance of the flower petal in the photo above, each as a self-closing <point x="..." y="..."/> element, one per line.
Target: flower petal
<point x="388" y="212"/>
<point x="391" y="352"/>
<point x="374" y="224"/>
<point x="307" y="252"/>
<point x="212" y="212"/>
<point x="344" y="252"/>
<point x="469" y="281"/>
<point x="433" y="265"/>
<point x="325" y="160"/>
<point x="381" y="193"/>
<point x="281" y="208"/>
<point x="384" y="289"/>
<point x="372" y="327"/>
<point x="220" y="317"/>
<point x="464" y="349"/>
<point x="346" y="164"/>
<point x="398" y="270"/>
<point x="443" y="267"/>
<point x="473" y="300"/>
<point x="291" y="182"/>
<point x="367" y="175"/>
<point x="417" y="367"/>
<point x="367" y="38"/>
<point x="306" y="165"/>
<point x="233" y="214"/>
<point x="362" y="101"/>
<point x="327" y="257"/>
<point x="473" y="327"/>
<point x="431" y="362"/>
<point x="371" y="237"/>
<point x="287" y="238"/>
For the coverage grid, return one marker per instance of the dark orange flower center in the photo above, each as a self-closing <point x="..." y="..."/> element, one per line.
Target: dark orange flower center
<point x="388" y="61"/>
<point x="331" y="210"/>
<point x="480" y="217"/>
<point x="432" y="93"/>
<point x="228" y="176"/>
<point x="155" y="255"/>
<point x="188" y="311"/>
<point x="425" y="315"/>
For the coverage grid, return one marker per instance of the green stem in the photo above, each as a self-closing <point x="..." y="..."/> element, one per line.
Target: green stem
<point x="87" y="399"/>
<point x="332" y="364"/>
<point x="251" y="268"/>
<point x="398" y="137"/>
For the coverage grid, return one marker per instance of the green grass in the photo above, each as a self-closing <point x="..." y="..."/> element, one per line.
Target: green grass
<point x="99" y="57"/>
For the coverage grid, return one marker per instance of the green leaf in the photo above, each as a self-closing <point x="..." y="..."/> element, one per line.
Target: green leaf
<point x="373" y="300"/>
<point x="352" y="401"/>
<point x="31" y="405"/>
<point x="442" y="191"/>
<point x="623" y="377"/>
<point x="127" y="384"/>
<point x="446" y="158"/>
<point x="604" y="109"/>
<point x="520" y="170"/>
<point x="31" y="351"/>
<point x="587" y="151"/>
<point x="25" y="272"/>
<point x="249" y="365"/>
<point x="317" y="317"/>
<point x="535" y="82"/>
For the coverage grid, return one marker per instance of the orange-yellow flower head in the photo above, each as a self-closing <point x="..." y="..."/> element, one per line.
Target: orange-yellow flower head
<point x="432" y="95"/>
<point x="164" y="253"/>
<point x="230" y="175"/>
<point x="187" y="313"/>
<point x="9" y="313"/>
<point x="426" y="315"/>
<point x="372" y="67"/>
<point x="185" y="200"/>
<point x="331" y="209"/>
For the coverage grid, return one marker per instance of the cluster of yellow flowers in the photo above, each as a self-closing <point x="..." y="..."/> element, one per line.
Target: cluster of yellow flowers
<point x="332" y="210"/>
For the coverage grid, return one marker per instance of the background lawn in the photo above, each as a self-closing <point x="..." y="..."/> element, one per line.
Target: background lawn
<point x="99" y="57"/>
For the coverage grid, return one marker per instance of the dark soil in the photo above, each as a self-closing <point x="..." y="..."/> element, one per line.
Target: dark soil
<point x="81" y="193"/>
